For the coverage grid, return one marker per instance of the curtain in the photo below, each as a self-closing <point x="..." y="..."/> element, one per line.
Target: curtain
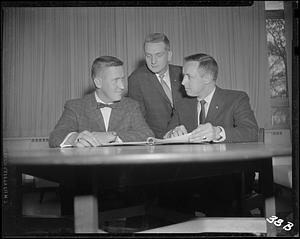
<point x="48" y="52"/>
<point x="288" y="17"/>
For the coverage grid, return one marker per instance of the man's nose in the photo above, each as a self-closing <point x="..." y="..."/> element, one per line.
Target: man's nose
<point x="184" y="80"/>
<point x="121" y="84"/>
<point x="153" y="60"/>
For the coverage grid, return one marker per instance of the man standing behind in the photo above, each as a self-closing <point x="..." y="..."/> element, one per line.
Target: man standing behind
<point x="103" y="116"/>
<point x="157" y="87"/>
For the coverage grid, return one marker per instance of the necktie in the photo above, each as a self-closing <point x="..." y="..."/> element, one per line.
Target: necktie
<point x="202" y="112"/>
<point x="102" y="105"/>
<point x="166" y="88"/>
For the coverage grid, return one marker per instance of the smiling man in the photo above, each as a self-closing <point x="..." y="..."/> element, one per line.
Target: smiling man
<point x="156" y="85"/>
<point x="103" y="116"/>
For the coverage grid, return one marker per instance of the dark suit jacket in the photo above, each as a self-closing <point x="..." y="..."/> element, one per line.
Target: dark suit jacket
<point x="144" y="87"/>
<point x="231" y="110"/>
<point x="82" y="114"/>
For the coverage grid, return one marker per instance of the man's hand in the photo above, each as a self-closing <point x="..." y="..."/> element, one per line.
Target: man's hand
<point x="179" y="130"/>
<point x="205" y="133"/>
<point x="94" y="139"/>
<point x="105" y="137"/>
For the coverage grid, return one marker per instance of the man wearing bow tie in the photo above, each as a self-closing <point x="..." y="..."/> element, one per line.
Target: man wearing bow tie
<point x="103" y="116"/>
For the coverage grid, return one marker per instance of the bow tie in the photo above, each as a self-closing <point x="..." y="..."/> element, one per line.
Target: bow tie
<point x="102" y="105"/>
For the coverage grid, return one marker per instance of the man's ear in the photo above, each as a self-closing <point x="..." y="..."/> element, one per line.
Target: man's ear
<point x="208" y="78"/>
<point x="98" y="82"/>
<point x="170" y="56"/>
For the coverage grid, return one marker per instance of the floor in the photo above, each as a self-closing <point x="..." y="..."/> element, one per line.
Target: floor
<point x="44" y="218"/>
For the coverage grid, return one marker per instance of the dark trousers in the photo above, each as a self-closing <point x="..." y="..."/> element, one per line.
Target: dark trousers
<point x="109" y="199"/>
<point x="214" y="196"/>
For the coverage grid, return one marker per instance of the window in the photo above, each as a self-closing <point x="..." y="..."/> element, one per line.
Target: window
<point x="276" y="42"/>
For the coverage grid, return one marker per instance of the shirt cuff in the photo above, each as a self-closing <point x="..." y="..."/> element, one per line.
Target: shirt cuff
<point x="222" y="135"/>
<point x="69" y="140"/>
<point x="118" y="140"/>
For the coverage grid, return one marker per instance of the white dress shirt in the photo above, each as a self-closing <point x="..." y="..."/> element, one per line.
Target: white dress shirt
<point x="208" y="100"/>
<point x="165" y="79"/>
<point x="106" y="111"/>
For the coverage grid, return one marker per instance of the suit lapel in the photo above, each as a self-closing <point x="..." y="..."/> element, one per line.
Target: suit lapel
<point x="194" y="107"/>
<point x="94" y="113"/>
<point x="215" y="106"/>
<point x="175" y="85"/>
<point x="116" y="115"/>
<point x="159" y="88"/>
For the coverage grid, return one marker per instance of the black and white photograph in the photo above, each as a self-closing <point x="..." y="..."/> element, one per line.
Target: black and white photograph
<point x="150" y="119"/>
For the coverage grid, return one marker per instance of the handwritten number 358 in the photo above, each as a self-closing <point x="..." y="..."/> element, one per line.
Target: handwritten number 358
<point x="278" y="223"/>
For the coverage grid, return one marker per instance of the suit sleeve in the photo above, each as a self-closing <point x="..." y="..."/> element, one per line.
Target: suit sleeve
<point x="138" y="130"/>
<point x="174" y="121"/>
<point x="135" y="92"/>
<point x="66" y="124"/>
<point x="245" y="127"/>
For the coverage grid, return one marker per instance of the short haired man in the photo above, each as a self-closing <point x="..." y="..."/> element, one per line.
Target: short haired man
<point x="221" y="115"/>
<point x="156" y="85"/>
<point x="98" y="118"/>
<point x="103" y="116"/>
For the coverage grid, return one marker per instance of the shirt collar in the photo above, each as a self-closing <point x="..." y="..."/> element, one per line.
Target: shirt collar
<point x="165" y="74"/>
<point x="98" y="100"/>
<point x="209" y="97"/>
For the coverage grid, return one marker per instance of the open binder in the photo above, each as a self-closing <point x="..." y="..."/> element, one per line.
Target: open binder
<point x="154" y="141"/>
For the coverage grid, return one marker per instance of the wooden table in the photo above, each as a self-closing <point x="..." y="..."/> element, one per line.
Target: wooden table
<point x="108" y="167"/>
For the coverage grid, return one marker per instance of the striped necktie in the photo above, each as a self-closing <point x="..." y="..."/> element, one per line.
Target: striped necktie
<point x="166" y="88"/>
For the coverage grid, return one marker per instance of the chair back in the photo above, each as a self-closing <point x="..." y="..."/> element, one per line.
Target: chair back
<point x="278" y="136"/>
<point x="261" y="135"/>
<point x="28" y="143"/>
<point x="21" y="143"/>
